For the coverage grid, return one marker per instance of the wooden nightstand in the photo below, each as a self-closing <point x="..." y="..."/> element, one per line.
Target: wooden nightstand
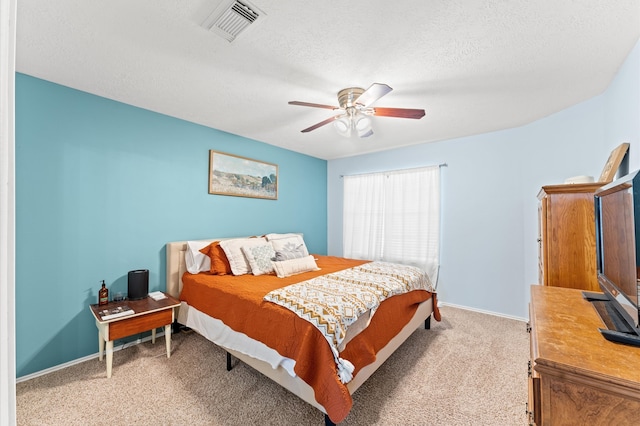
<point x="148" y="315"/>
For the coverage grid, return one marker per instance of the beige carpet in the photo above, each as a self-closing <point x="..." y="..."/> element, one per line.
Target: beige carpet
<point x="469" y="369"/>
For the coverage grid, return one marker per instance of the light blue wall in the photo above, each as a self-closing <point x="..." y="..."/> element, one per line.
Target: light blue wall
<point x="489" y="204"/>
<point x="103" y="186"/>
<point x="622" y="107"/>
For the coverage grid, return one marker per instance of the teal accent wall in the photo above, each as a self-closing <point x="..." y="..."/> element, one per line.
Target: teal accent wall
<point x="102" y="186"/>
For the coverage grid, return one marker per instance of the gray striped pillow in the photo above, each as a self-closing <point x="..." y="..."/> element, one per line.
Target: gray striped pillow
<point x="290" y="252"/>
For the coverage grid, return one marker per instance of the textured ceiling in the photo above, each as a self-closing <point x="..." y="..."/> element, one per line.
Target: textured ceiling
<point x="474" y="66"/>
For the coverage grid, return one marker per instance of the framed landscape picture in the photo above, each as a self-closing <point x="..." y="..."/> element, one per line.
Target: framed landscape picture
<point x="242" y="177"/>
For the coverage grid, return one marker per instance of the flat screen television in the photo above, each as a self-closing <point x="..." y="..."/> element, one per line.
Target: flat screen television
<point x="617" y="220"/>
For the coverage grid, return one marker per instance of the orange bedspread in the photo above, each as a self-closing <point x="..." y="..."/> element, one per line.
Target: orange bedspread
<point x="238" y="302"/>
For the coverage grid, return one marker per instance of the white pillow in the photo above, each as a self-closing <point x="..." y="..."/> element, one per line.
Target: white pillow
<point x="287" y="268"/>
<point x="195" y="261"/>
<point x="233" y="249"/>
<point x="288" y="246"/>
<point x="259" y="258"/>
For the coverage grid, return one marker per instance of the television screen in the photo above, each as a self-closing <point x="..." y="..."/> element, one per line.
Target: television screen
<point x="617" y="208"/>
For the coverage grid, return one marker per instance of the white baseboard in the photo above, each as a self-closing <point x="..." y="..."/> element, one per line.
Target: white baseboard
<point x="482" y="311"/>
<point x="86" y="358"/>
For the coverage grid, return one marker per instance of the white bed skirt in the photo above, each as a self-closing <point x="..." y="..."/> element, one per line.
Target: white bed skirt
<point x="219" y="333"/>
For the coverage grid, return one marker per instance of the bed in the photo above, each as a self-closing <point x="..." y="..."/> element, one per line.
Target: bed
<point x="220" y="317"/>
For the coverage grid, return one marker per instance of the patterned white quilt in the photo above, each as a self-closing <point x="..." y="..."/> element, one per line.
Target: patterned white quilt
<point x="334" y="301"/>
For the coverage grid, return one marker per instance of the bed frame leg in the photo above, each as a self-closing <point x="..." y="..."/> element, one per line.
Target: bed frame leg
<point x="427" y="323"/>
<point x="327" y="421"/>
<point x="229" y="366"/>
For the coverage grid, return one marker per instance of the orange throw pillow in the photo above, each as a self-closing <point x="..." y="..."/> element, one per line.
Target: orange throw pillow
<point x="219" y="262"/>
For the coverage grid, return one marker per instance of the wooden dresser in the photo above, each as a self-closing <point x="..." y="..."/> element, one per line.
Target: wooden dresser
<point x="576" y="377"/>
<point x="566" y="236"/>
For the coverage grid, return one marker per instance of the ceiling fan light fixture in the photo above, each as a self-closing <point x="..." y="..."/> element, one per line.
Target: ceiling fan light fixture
<point x="356" y="117"/>
<point x="362" y="124"/>
<point x="353" y="123"/>
<point x="365" y="133"/>
<point x="343" y="126"/>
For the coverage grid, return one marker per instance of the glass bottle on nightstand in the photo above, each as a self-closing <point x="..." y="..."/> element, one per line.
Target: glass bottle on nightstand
<point x="103" y="295"/>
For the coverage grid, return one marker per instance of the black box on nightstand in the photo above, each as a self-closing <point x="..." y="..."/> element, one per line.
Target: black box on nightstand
<point x="138" y="284"/>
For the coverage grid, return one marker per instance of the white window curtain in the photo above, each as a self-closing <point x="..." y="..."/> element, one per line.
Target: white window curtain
<point x="394" y="217"/>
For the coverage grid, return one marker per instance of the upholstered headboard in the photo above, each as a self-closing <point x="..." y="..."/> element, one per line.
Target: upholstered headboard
<point x="176" y="266"/>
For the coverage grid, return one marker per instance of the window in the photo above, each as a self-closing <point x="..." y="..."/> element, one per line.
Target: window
<point x="394" y="217"/>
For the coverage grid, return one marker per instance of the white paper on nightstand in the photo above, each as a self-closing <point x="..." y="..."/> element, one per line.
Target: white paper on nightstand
<point x="157" y="295"/>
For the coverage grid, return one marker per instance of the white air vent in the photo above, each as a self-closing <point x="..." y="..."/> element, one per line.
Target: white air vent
<point x="231" y="18"/>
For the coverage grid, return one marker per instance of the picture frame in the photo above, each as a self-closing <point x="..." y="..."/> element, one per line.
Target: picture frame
<point x="613" y="163"/>
<point x="238" y="176"/>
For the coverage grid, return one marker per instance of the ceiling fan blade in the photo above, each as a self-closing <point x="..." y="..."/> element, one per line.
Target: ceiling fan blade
<point x="372" y="94"/>
<point x="320" y="124"/>
<point x="309" y="104"/>
<point x="399" y="112"/>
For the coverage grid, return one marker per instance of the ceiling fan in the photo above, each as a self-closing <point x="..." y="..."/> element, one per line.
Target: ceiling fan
<point x="356" y="110"/>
